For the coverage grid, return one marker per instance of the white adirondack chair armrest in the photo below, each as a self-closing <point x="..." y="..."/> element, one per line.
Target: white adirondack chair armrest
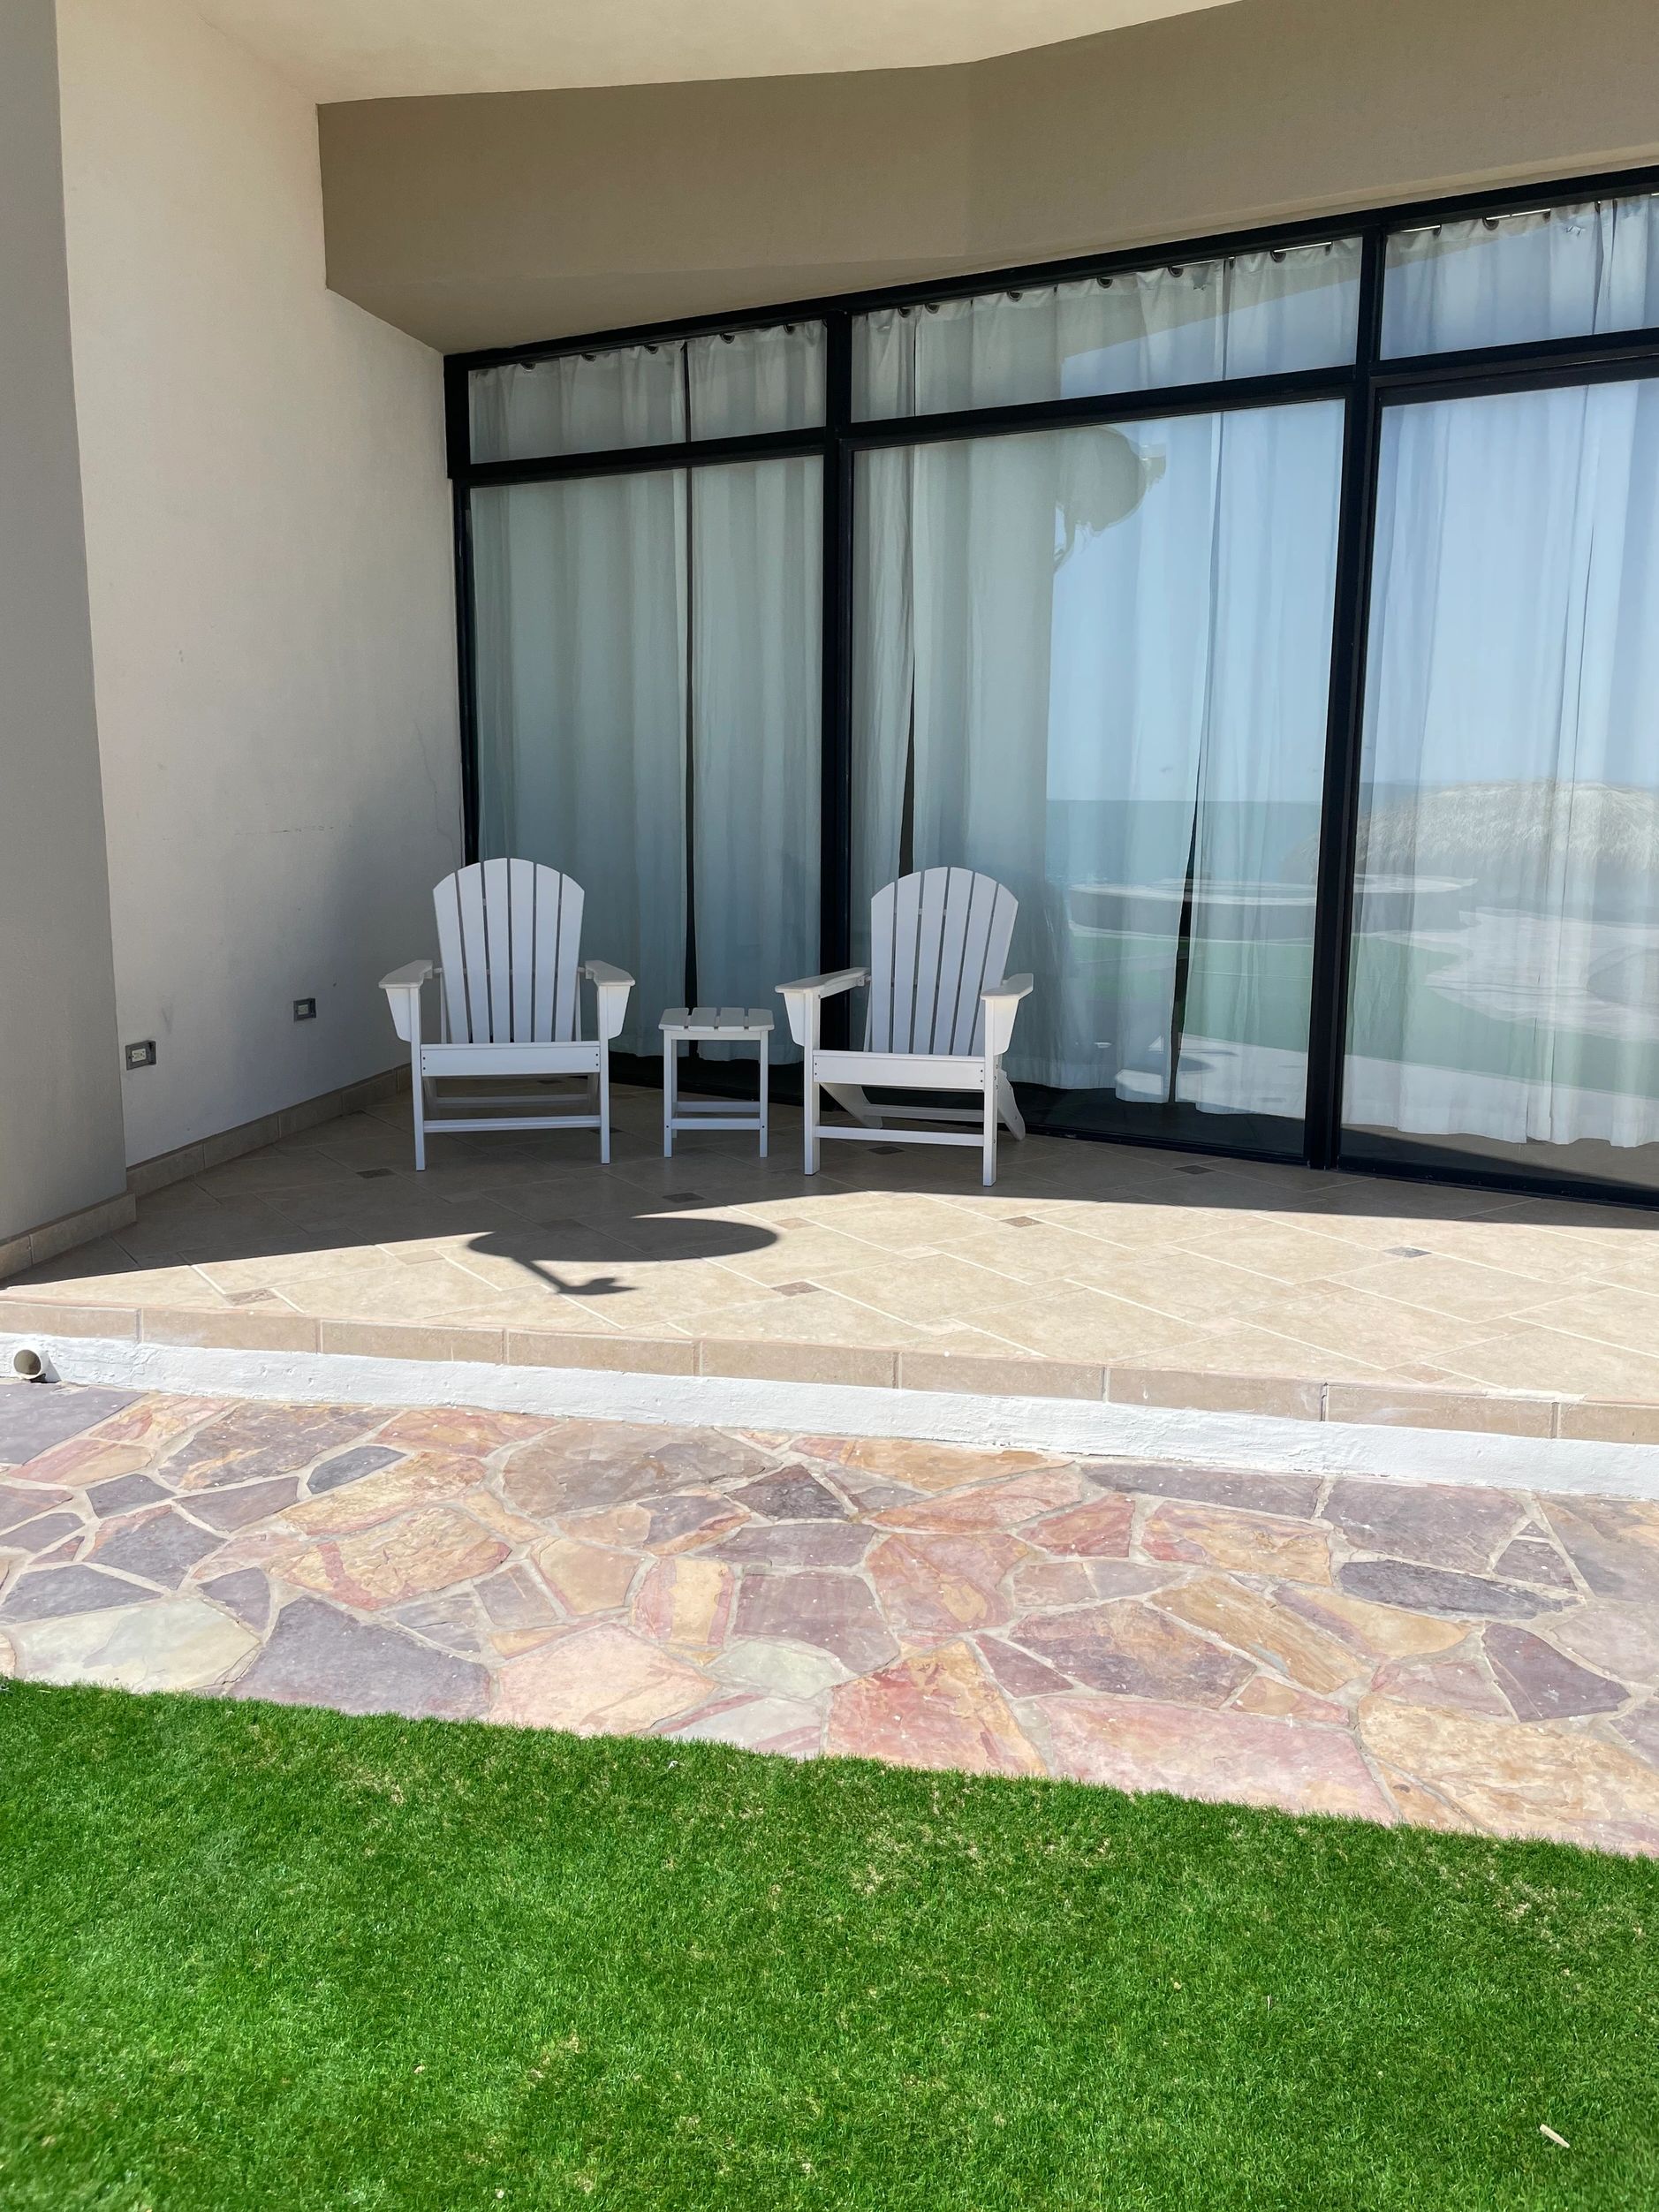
<point x="802" y="999"/>
<point x="1001" y="1001"/>
<point x="402" y="988"/>
<point x="612" y="986"/>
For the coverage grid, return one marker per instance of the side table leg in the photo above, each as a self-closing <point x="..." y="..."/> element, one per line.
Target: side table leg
<point x="670" y="1056"/>
<point x="763" y="1045"/>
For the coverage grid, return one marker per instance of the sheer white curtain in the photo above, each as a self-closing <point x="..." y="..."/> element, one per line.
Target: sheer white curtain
<point x="581" y="591"/>
<point x="1250" y="315"/>
<point x="1503" y="280"/>
<point x="1505" y="982"/>
<point x="647" y="665"/>
<point x="579" y="403"/>
<point x="1101" y="657"/>
<point x="757" y="536"/>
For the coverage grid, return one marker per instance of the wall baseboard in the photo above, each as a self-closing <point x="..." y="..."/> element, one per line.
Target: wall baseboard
<point x="32" y="1247"/>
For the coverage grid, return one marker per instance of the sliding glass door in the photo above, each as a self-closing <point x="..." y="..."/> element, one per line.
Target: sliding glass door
<point x="1094" y="663"/>
<point x="1101" y="581"/>
<point x="648" y="684"/>
<point x="1504" y="1004"/>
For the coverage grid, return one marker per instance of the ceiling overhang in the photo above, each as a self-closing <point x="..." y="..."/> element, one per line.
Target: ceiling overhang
<point x="374" y="50"/>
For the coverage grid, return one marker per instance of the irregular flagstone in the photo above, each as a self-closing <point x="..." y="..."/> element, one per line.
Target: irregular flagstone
<point x="598" y="1680"/>
<point x="36" y="1416"/>
<point x="685" y="1602"/>
<point x="1517" y="1779"/>
<point x="157" y="1420"/>
<point x="1421" y="1807"/>
<point x="516" y="1597"/>
<point x="387" y="1566"/>
<point x="416" y="1481"/>
<point x="1438" y="1524"/>
<point x="253" y="1441"/>
<point x="790" y="1494"/>
<point x="454" y="1429"/>
<point x="1447" y="1684"/>
<point x="125" y="1494"/>
<point x="1613" y="1542"/>
<point x="674" y="1523"/>
<point x="1129" y="1649"/>
<point x="20" y="1504"/>
<point x="516" y="1528"/>
<point x="163" y="1547"/>
<point x="1040" y="1583"/>
<point x="1096" y="1530"/>
<point x="1535" y="1559"/>
<point x="836" y="1612"/>
<point x="1134" y="1743"/>
<point x="1243" y="1543"/>
<point x="1640" y="1732"/>
<point x="86" y="1460"/>
<point x="178" y="1643"/>
<point x="1293" y="1494"/>
<point x="1541" y="1683"/>
<point x="1276" y="1699"/>
<point x="226" y="1510"/>
<point x="585" y="1464"/>
<point x="999" y="1505"/>
<point x="1441" y="1590"/>
<point x="246" y="1593"/>
<point x="350" y="1466"/>
<point x="789" y="1728"/>
<point x="317" y="1656"/>
<point x="36" y="1536"/>
<point x="585" y="1579"/>
<point x="797" y="1544"/>
<point x="935" y="1709"/>
<point x="942" y="1583"/>
<point x="1253" y="1622"/>
<point x="778" y="1670"/>
<point x="1621" y="1641"/>
<point x="921" y="1466"/>
<point x="1018" y="1672"/>
<point x="451" y="1619"/>
<point x="1380" y="1632"/>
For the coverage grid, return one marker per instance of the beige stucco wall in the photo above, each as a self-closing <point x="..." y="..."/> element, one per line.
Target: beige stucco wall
<point x="268" y="548"/>
<point x="60" y="1102"/>
<point x="492" y="219"/>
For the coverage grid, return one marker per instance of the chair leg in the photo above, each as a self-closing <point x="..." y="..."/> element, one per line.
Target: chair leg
<point x="604" y="1106"/>
<point x="418" y="1091"/>
<point x="1013" y="1120"/>
<point x="763" y="1059"/>
<point x="810" y="1111"/>
<point x="989" y="1169"/>
<point x="670" y="1060"/>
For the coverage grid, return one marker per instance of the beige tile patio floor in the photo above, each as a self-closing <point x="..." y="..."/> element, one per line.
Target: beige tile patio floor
<point x="1458" y="1658"/>
<point x="1090" y="1269"/>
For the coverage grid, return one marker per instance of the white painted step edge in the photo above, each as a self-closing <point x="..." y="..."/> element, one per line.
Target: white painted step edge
<point x="1074" y="1428"/>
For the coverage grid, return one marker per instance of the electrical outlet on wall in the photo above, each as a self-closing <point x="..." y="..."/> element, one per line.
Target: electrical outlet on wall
<point x="141" y="1055"/>
<point x="305" y="1010"/>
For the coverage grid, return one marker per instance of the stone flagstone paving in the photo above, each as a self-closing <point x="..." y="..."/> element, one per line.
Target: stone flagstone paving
<point x="1465" y="1658"/>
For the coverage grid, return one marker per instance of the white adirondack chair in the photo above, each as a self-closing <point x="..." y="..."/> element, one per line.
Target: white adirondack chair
<point x="941" y="1016"/>
<point x="508" y="942"/>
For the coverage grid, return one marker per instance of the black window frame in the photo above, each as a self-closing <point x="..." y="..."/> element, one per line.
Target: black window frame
<point x="1371" y="383"/>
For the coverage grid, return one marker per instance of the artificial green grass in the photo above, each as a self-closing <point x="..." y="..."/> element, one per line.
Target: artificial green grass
<point x="252" y="1957"/>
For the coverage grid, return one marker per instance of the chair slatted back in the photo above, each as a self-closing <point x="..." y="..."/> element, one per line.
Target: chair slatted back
<point x="510" y="936"/>
<point x="936" y="940"/>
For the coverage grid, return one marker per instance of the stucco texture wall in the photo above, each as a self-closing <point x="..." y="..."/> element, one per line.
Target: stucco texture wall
<point x="268" y="546"/>
<point x="60" y="1107"/>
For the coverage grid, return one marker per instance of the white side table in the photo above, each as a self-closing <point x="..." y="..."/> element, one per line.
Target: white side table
<point x="715" y="1025"/>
